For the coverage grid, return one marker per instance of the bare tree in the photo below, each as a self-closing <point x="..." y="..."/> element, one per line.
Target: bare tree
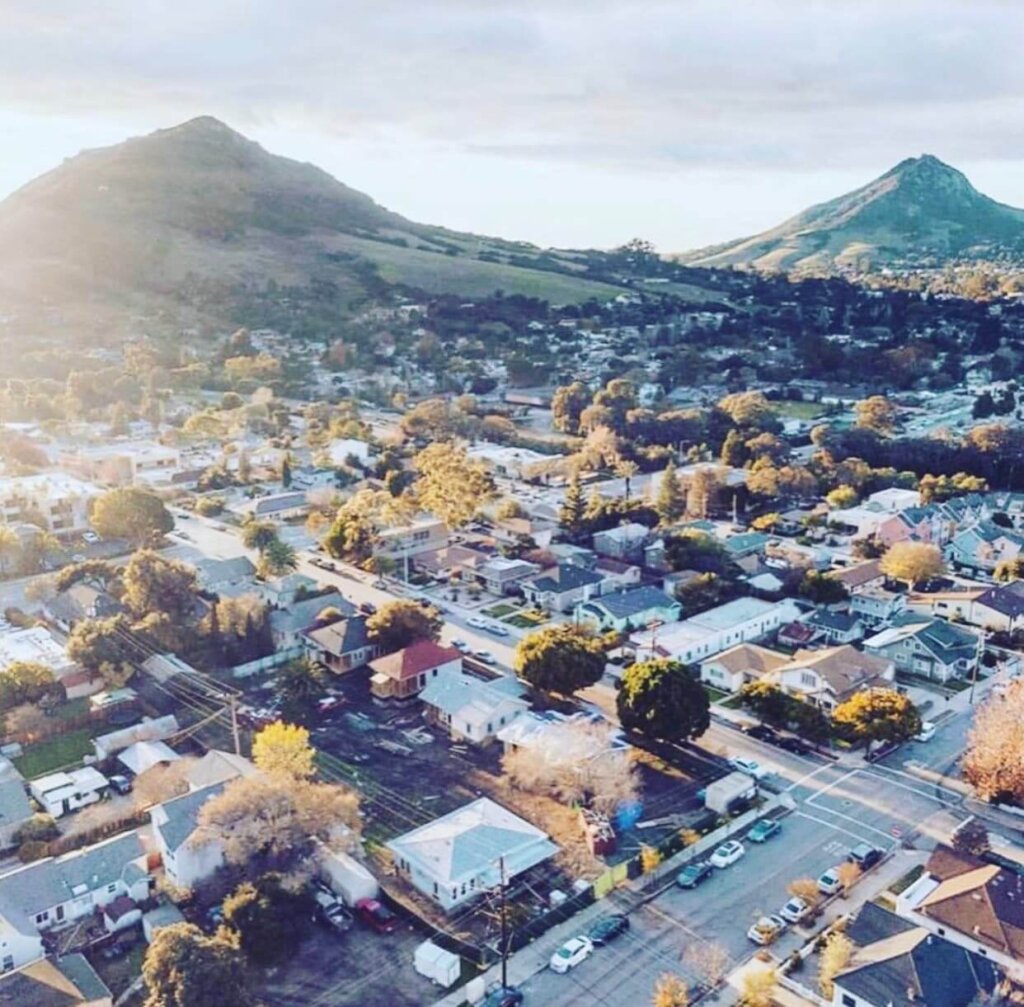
<point x="758" y="987"/>
<point x="709" y="961"/>
<point x="849" y="874"/>
<point x="994" y="760"/>
<point x="670" y="991"/>
<point x="27" y="722"/>
<point x="806" y="889"/>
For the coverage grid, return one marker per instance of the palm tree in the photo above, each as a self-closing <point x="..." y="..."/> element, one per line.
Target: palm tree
<point x="626" y="470"/>
<point x="278" y="559"/>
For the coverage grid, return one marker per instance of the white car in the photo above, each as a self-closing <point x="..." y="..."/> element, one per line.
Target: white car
<point x="727" y="854"/>
<point x="794" y="910"/>
<point x="460" y="645"/>
<point x="484" y="656"/>
<point x="90" y="536"/>
<point x="749" y="766"/>
<point x="476" y="622"/>
<point x="829" y="883"/>
<point x="571" y="953"/>
<point x="927" y="731"/>
<point x="497" y="629"/>
<point x="766" y="929"/>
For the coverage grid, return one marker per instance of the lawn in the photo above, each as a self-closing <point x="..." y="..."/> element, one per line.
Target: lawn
<point x="55" y="753"/>
<point x="799" y="410"/>
<point x="715" y="695"/>
<point x="734" y="702"/>
<point x="902" y="884"/>
<point x="501" y="609"/>
<point x="526" y="620"/>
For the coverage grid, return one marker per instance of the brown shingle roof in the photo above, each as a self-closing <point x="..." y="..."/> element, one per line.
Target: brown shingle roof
<point x="414" y="659"/>
<point x="750" y="657"/>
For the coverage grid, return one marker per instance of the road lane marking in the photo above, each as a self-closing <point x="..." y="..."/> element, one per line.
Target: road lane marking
<point x="808" y="776"/>
<point x="833" y="825"/>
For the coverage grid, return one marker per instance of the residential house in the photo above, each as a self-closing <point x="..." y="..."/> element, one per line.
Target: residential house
<point x="56" y="892"/>
<point x="67" y="981"/>
<point x="500" y="575"/>
<point x="229" y="577"/>
<point x="983" y="547"/>
<point x="144" y="755"/>
<point x="836" y="627"/>
<point x="928" y="647"/>
<point x="36" y="645"/>
<point x="134" y="463"/>
<point x="744" y="620"/>
<point x="467" y="853"/>
<point x="751" y="543"/>
<point x="15" y="809"/>
<point x="896" y="963"/>
<point x="288" y="625"/>
<point x="471" y="709"/>
<point x="561" y="588"/>
<point x="280" y="592"/>
<point x="155" y="729"/>
<point x="58" y="501"/>
<point x="918" y="524"/>
<point x="628" y="610"/>
<point x="79" y="602"/>
<point x="521" y="464"/>
<point x="1000" y="608"/>
<point x="829" y="677"/>
<point x="861" y="576"/>
<point x="958" y="603"/>
<point x="625" y="542"/>
<point x="972" y="903"/>
<point x="875" y="606"/>
<point x="189" y="854"/>
<point x="345" y="449"/>
<point x="735" y="667"/>
<point x="61" y="793"/>
<point x="341" y="646"/>
<point x="425" y="534"/>
<point x="404" y="674"/>
<point x="894" y="499"/>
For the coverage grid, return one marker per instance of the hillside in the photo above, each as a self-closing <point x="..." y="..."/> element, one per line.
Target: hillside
<point x="920" y="212"/>
<point x="195" y="224"/>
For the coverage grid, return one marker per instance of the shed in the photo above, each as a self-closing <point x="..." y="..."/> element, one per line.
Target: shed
<point x="163" y="916"/>
<point x="438" y="965"/>
<point x="721" y="794"/>
<point x="120" y="914"/>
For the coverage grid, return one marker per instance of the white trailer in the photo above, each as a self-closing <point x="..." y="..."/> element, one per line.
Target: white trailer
<point x="721" y="795"/>
<point x="347" y="877"/>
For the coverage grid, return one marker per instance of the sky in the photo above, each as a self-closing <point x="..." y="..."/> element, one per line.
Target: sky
<point x="574" y="123"/>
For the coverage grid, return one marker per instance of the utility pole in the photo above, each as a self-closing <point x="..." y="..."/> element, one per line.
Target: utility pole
<point x="977" y="663"/>
<point x="504" y="925"/>
<point x="233" y="702"/>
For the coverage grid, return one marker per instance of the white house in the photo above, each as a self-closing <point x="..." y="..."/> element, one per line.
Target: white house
<point x="35" y="644"/>
<point x="341" y="450"/>
<point x="735" y="667"/>
<point x="59" y="500"/>
<point x="125" y="463"/>
<point x="157" y="729"/>
<point x="701" y="636"/>
<point x="188" y="855"/>
<point x="56" y="892"/>
<point x="15" y="809"/>
<point x="60" y="793"/>
<point x="458" y="857"/>
<point x="513" y="462"/>
<point x="471" y="709"/>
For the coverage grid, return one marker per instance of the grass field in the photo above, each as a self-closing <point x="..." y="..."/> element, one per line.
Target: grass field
<point x="55" y="753"/>
<point x="799" y="410"/>
<point x="715" y="695"/>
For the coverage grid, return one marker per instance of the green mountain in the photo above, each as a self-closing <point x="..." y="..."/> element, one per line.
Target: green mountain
<point x="199" y="224"/>
<point x="922" y="212"/>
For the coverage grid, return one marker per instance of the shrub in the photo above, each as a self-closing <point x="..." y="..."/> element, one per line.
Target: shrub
<point x="33" y="850"/>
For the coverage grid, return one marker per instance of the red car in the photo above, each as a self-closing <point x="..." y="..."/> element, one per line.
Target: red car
<point x="376" y="916"/>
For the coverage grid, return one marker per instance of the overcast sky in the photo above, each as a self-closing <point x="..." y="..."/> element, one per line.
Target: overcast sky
<point x="564" y="122"/>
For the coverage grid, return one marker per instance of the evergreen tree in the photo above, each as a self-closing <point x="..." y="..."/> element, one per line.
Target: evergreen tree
<point x="286" y="472"/>
<point x="571" y="515"/>
<point x="671" y="501"/>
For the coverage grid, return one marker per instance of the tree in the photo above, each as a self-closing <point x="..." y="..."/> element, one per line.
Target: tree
<point x="571" y="515"/>
<point x="702" y="492"/>
<point x="805" y="889"/>
<point x="878" y="714"/>
<point x="661" y="699"/>
<point x="266" y="918"/>
<point x="27" y="722"/>
<point x="301" y="684"/>
<point x="994" y="761"/>
<point x="560" y="659"/>
<point x="671" y="501"/>
<point x="97" y="570"/>
<point x="451" y="486"/>
<point x="972" y="837"/>
<point x="758" y="987"/>
<point x="766" y="701"/>
<point x="396" y="624"/>
<point x="99" y="646"/>
<point x="270" y="822"/>
<point x="577" y="765"/>
<point x="876" y="413"/>
<point x="258" y="535"/>
<point x="132" y="514"/>
<point x="912" y="562"/>
<point x="749" y="409"/>
<point x="767" y="522"/>
<point x="848" y="874"/>
<point x="152" y="583"/>
<point x="1009" y="570"/>
<point x="835" y="956"/>
<point x="10" y="547"/>
<point x="185" y="968"/>
<point x="24" y="682"/>
<point x="567" y="404"/>
<point x="841" y="497"/>
<point x="276" y="560"/>
<point x="284" y="750"/>
<point x="822" y="589"/>
<point x="286" y="472"/>
<point x="670" y="991"/>
<point x="708" y="960"/>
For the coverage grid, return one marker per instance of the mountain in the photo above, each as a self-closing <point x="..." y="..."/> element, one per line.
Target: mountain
<point x="199" y="224"/>
<point x="921" y="212"/>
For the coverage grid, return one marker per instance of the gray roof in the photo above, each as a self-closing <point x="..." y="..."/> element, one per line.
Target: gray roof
<point x="342" y="636"/>
<point x="219" y="571"/>
<point x="841" y="622"/>
<point x="628" y="603"/>
<point x="278" y="502"/>
<point x="183" y="815"/>
<point x="48" y="883"/>
<point x="1005" y="598"/>
<point x="39" y="985"/>
<point x="302" y="614"/>
<point x="14" y="806"/>
<point x="565" y="577"/>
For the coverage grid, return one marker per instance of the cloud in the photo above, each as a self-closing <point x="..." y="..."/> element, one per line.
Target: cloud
<point x="650" y="84"/>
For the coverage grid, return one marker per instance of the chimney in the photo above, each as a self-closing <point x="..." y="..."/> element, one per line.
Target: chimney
<point x="911" y="994"/>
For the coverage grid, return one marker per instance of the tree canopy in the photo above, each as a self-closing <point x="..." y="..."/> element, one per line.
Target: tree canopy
<point x="878" y="714"/>
<point x="661" y="699"/>
<point x="24" y="682"/>
<point x="185" y="968"/>
<point x="267" y="918"/>
<point x="132" y="514"/>
<point x="560" y="659"/>
<point x="398" y="623"/>
<point x="994" y="761"/>
<point x="913" y="562"/>
<point x="284" y="750"/>
<point x="450" y="485"/>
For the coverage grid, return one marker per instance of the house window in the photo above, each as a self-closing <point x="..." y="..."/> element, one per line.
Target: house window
<point x="8" y="963"/>
<point x="435" y="890"/>
<point x="848" y="1001"/>
<point x="942" y="932"/>
<point x="112" y="887"/>
<point x="60" y="913"/>
<point x="42" y="917"/>
<point x="808" y="678"/>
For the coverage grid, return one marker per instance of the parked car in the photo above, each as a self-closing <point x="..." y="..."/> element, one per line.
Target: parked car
<point x="485" y="657"/>
<point x="476" y="622"/>
<point x="762" y="732"/>
<point x="90" y="537"/>
<point x="503" y="996"/>
<point x="120" y="784"/>
<point x="727" y="854"/>
<point x="766" y="929"/>
<point x="864" y="855"/>
<point x="795" y="910"/>
<point x="927" y="731"/>
<point x="764" y="829"/>
<point x="694" y="874"/>
<point x="329" y="704"/>
<point x="460" y="645"/>
<point x="368" y="608"/>
<point x="330" y="911"/>
<point x="571" y="953"/>
<point x="794" y="745"/>
<point x="497" y="629"/>
<point x="607" y="928"/>
<point x="749" y="766"/>
<point x="829" y="883"/>
<point x="376" y="916"/>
